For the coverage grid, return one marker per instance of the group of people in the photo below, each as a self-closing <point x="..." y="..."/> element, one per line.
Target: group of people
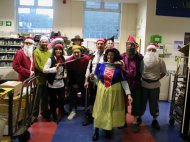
<point x="112" y="79"/>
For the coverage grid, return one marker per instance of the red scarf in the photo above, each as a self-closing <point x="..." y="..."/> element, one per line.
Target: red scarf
<point x="60" y="60"/>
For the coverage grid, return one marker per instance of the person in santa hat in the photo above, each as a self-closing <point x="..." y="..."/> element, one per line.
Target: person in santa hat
<point x="54" y="68"/>
<point x="57" y="40"/>
<point x="153" y="69"/>
<point x="23" y="60"/>
<point x="132" y="61"/>
<point x="41" y="55"/>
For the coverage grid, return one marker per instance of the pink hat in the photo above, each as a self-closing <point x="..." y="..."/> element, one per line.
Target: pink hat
<point x="59" y="45"/>
<point x="29" y="40"/>
<point x="152" y="46"/>
<point x="101" y="39"/>
<point x="131" y="39"/>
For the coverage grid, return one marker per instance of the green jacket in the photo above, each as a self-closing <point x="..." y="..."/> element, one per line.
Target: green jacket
<point x="40" y="58"/>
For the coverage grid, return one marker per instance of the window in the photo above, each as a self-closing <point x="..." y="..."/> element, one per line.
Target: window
<point x="101" y="19"/>
<point x="34" y="16"/>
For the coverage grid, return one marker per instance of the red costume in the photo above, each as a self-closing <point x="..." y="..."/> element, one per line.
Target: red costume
<point x="22" y="64"/>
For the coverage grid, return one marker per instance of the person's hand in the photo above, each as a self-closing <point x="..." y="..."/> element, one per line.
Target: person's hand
<point x="119" y="63"/>
<point x="130" y="99"/>
<point x="31" y="73"/>
<point x="57" y="65"/>
<point x="91" y="76"/>
<point x="86" y="83"/>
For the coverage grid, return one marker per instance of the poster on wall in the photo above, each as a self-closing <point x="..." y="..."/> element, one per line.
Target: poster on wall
<point x="178" y="45"/>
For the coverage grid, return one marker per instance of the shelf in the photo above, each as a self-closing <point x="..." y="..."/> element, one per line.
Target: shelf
<point x="8" y="60"/>
<point x="10" y="46"/>
<point x="7" y="52"/>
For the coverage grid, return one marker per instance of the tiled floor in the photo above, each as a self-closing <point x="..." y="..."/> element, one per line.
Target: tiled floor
<point x="73" y="131"/>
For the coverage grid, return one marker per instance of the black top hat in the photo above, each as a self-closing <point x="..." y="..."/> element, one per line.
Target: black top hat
<point x="77" y="37"/>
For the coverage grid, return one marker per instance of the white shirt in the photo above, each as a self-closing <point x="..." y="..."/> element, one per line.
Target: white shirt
<point x="58" y="81"/>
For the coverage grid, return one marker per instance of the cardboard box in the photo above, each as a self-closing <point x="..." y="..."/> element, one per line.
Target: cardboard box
<point x="4" y="104"/>
<point x="16" y="85"/>
<point x="4" y="93"/>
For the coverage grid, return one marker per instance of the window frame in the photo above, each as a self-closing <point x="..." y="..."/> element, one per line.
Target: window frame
<point x="102" y="9"/>
<point x="17" y="4"/>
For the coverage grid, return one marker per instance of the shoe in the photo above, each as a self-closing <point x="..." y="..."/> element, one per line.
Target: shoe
<point x="71" y="115"/>
<point x="139" y="120"/>
<point x="136" y="127"/>
<point x="95" y="137"/>
<point x="155" y="125"/>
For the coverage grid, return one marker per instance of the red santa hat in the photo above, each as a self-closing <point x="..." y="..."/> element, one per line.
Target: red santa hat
<point x="131" y="39"/>
<point x="29" y="40"/>
<point x="152" y="46"/>
<point x="57" y="39"/>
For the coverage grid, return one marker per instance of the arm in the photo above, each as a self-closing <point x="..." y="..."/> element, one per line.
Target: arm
<point x="120" y="63"/>
<point x="87" y="75"/>
<point x="18" y="67"/>
<point x="47" y="68"/>
<point x="127" y="90"/>
<point x="37" y="61"/>
<point x="162" y="69"/>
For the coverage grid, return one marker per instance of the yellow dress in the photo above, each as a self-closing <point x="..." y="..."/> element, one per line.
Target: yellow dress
<point x="109" y="106"/>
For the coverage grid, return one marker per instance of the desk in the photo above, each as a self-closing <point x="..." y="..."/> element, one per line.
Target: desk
<point x="9" y="92"/>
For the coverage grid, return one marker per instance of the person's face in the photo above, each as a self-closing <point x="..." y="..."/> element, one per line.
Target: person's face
<point x="44" y="43"/>
<point x="131" y="49"/>
<point x="110" y="57"/>
<point x="77" y="54"/>
<point x="151" y="50"/>
<point x="130" y="45"/>
<point x="109" y="44"/>
<point x="28" y="44"/>
<point x="100" y="45"/>
<point x="77" y="42"/>
<point x="58" y="52"/>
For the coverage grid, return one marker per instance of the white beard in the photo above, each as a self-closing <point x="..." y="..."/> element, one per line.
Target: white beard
<point x="151" y="59"/>
<point x="28" y="50"/>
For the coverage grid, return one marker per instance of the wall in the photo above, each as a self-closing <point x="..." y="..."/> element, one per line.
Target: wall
<point x="137" y="19"/>
<point x="7" y="13"/>
<point x="171" y="28"/>
<point x="68" y="18"/>
<point x="128" y="25"/>
<point x="141" y="24"/>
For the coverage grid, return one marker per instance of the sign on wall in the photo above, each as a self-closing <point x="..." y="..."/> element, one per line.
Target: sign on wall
<point x="6" y="23"/>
